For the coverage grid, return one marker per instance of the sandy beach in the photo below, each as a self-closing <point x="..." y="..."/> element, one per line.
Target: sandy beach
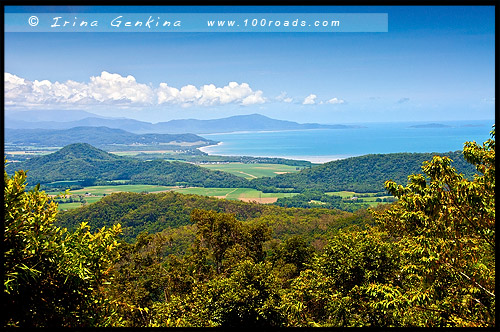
<point x="206" y="149"/>
<point x="313" y="159"/>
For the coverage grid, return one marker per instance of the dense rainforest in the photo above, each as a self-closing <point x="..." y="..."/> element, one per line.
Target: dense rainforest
<point x="360" y="174"/>
<point x="427" y="260"/>
<point x="152" y="213"/>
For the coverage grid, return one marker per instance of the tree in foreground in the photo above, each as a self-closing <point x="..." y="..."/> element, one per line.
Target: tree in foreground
<point x="445" y="225"/>
<point x="52" y="277"/>
<point x="337" y="288"/>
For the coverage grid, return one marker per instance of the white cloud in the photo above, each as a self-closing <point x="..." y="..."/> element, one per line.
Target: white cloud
<point x="255" y="98"/>
<point x="209" y="95"/>
<point x="283" y="97"/>
<point x="104" y="89"/>
<point x="335" y="101"/>
<point x="310" y="100"/>
<point x="115" y="89"/>
<point x="14" y="87"/>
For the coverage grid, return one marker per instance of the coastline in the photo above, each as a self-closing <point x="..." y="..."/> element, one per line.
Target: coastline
<point x="204" y="148"/>
<point x="319" y="146"/>
<point x="312" y="159"/>
<point x="278" y="130"/>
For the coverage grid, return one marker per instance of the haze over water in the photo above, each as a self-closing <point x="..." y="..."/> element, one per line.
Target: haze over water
<point x="323" y="145"/>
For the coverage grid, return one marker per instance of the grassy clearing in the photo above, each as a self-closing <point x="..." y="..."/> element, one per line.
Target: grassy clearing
<point x="252" y="171"/>
<point x="243" y="194"/>
<point x="368" y="198"/>
<point x="135" y="188"/>
<point x="69" y="206"/>
<point x="205" y="191"/>
<point x="343" y="194"/>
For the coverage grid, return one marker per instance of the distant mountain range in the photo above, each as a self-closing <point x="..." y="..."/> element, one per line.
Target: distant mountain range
<point x="253" y="122"/>
<point x="96" y="136"/>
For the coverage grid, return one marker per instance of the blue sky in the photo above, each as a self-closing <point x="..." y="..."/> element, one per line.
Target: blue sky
<point x="434" y="64"/>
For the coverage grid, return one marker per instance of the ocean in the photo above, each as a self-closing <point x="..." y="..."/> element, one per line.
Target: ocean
<point x="323" y="145"/>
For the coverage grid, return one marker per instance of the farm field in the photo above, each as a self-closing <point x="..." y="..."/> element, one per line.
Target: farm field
<point x="369" y="198"/>
<point x="252" y="171"/>
<point x="242" y="194"/>
<point x="95" y="193"/>
<point x="100" y="190"/>
<point x="134" y="153"/>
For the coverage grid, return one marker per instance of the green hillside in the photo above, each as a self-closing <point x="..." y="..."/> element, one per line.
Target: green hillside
<point x="89" y="165"/>
<point x="360" y="174"/>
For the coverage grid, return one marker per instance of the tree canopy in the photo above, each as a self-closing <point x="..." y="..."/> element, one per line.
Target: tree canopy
<point x="426" y="260"/>
<point x="53" y="277"/>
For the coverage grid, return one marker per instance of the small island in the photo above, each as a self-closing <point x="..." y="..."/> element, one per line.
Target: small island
<point x="431" y="125"/>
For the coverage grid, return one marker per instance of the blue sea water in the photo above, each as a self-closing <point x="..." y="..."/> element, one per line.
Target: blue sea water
<point x="322" y="145"/>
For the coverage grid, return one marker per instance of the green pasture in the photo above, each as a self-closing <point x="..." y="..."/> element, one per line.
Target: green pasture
<point x="135" y="188"/>
<point x="69" y="206"/>
<point x="252" y="171"/>
<point x="370" y="200"/>
<point x="245" y="194"/>
<point x="205" y="191"/>
<point x="233" y="193"/>
<point x="343" y="194"/>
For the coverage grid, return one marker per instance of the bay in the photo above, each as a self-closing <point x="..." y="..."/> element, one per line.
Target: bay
<point x="323" y="145"/>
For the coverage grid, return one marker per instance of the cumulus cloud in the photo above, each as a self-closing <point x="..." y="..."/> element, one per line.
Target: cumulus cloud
<point x="116" y="89"/>
<point x="284" y="98"/>
<point x="335" y="101"/>
<point x="209" y="95"/>
<point x="309" y="100"/>
<point x="104" y="89"/>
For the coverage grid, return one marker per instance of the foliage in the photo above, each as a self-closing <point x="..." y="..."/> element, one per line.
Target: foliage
<point x="146" y="278"/>
<point x="446" y="228"/>
<point x="333" y="291"/>
<point x="427" y="260"/>
<point x="291" y="257"/>
<point x="159" y="212"/>
<point x="248" y="297"/>
<point x="311" y="199"/>
<point x="52" y="277"/>
<point x="360" y="174"/>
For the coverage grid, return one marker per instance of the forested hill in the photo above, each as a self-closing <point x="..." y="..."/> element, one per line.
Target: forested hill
<point x="366" y="173"/>
<point x="83" y="162"/>
<point x="96" y="136"/>
<point x="158" y="212"/>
